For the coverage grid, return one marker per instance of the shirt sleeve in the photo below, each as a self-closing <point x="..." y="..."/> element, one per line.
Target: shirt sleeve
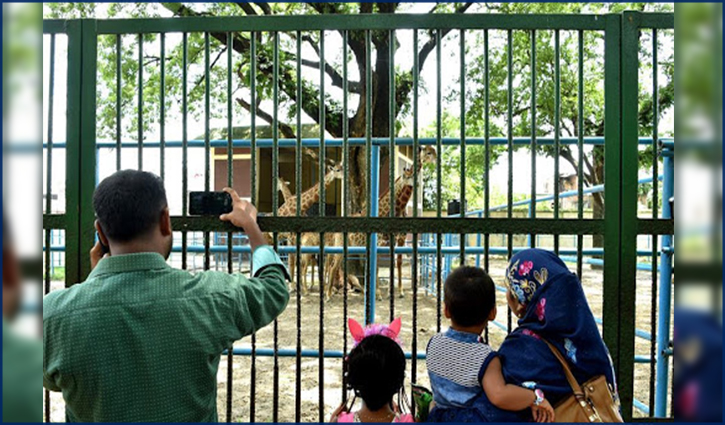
<point x="48" y="382"/>
<point x="261" y="299"/>
<point x="263" y="257"/>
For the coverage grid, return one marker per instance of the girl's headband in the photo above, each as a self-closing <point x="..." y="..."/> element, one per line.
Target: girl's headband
<point x="359" y="333"/>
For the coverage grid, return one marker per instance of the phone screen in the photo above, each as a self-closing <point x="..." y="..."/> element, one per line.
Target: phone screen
<point x="209" y="203"/>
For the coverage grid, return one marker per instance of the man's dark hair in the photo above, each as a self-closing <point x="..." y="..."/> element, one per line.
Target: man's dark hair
<point x="375" y="371"/>
<point x="470" y="296"/>
<point x="129" y="204"/>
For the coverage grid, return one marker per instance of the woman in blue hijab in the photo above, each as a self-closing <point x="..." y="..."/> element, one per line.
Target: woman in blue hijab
<point x="549" y="301"/>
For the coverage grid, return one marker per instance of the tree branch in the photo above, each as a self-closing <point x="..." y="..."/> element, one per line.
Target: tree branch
<point x="265" y="7"/>
<point x="247" y="8"/>
<point x="335" y="77"/>
<point x="286" y="130"/>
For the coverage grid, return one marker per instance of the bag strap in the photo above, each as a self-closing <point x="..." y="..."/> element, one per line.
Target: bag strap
<point x="576" y="388"/>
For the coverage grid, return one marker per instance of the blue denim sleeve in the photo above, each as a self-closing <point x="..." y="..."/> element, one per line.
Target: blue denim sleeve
<point x="264" y="256"/>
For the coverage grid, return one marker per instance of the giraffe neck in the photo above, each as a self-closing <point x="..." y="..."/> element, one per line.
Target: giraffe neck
<point x="402" y="201"/>
<point x="312" y="195"/>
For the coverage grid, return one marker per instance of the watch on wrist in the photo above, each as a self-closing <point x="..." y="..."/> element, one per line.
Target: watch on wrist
<point x="539" y="397"/>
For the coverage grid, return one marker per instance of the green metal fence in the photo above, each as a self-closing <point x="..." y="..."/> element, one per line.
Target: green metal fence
<point x="620" y="226"/>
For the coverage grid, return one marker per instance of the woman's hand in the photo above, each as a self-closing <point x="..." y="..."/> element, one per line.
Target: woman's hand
<point x="543" y="412"/>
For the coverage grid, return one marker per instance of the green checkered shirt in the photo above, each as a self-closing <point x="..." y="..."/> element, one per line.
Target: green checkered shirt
<point x="140" y="341"/>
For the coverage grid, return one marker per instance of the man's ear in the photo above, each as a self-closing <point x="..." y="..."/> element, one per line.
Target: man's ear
<point x="101" y="235"/>
<point x="446" y="312"/>
<point x="166" y="222"/>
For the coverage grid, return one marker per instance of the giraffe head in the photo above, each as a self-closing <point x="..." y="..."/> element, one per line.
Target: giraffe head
<point x="334" y="171"/>
<point x="406" y="179"/>
<point x="427" y="155"/>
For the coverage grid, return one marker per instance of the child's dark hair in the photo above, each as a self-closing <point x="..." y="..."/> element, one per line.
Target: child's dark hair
<point x="375" y="371"/>
<point x="470" y="296"/>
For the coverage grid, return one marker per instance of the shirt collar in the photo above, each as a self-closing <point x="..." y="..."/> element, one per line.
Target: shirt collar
<point x="129" y="263"/>
<point x="462" y="336"/>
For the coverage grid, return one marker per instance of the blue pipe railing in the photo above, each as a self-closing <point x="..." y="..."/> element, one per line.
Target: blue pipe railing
<point x="337" y="142"/>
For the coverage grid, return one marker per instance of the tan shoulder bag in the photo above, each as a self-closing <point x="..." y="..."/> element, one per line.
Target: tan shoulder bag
<point x="591" y="402"/>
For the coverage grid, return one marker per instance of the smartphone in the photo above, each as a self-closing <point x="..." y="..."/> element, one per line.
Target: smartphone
<point x="209" y="203"/>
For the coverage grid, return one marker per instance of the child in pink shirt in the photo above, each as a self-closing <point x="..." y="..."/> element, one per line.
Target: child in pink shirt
<point x="375" y="371"/>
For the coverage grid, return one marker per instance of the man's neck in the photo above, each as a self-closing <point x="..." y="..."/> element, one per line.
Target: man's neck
<point x="135" y="247"/>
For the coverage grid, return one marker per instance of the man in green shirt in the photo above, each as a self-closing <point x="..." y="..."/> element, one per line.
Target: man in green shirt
<point x="139" y="341"/>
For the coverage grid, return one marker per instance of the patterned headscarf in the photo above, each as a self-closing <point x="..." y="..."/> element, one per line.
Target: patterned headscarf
<point x="556" y="309"/>
<point x="531" y="269"/>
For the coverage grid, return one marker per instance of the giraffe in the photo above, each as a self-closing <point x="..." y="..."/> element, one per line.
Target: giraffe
<point x="308" y="198"/>
<point x="427" y="155"/>
<point x="283" y="186"/>
<point x="334" y="262"/>
<point x="307" y="260"/>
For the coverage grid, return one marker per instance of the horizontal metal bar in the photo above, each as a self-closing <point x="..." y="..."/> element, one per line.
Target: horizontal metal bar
<point x="641" y="407"/>
<point x="396" y="225"/>
<point x="292" y="352"/>
<point x="423" y="250"/>
<point x="54" y="26"/>
<point x="54" y="221"/>
<point x="337" y="142"/>
<point x="567" y="194"/>
<point x="638" y="332"/>
<point x="660" y="21"/>
<point x="642" y="359"/>
<point x="649" y="226"/>
<point x="353" y="22"/>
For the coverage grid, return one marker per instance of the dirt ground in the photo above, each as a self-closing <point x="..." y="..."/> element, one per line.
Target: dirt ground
<point x="426" y="324"/>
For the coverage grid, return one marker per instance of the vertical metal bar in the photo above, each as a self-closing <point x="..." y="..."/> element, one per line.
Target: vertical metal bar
<point x="369" y="315"/>
<point x="510" y="151"/>
<point x="655" y="215"/>
<point x="253" y="136"/>
<point x="118" y="101"/>
<point x="162" y="107"/>
<point x="462" y="53"/>
<point x="323" y="203"/>
<point x="207" y="141"/>
<point x="416" y="170"/>
<point x="487" y="147"/>
<point x="557" y="129"/>
<point x="275" y="205"/>
<point x="392" y="153"/>
<point x="230" y="183"/>
<point x="185" y="144"/>
<point x="532" y="237"/>
<point x="580" y="162"/>
<point x="298" y="191"/>
<point x="373" y="247"/>
<point x="87" y="140"/>
<point x="49" y="189"/>
<point x="620" y="292"/>
<point x="665" y="296"/>
<point x="346" y="198"/>
<point x="439" y="177"/>
<point x="140" y="102"/>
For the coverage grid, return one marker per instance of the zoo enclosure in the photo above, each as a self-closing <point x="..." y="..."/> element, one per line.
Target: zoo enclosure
<point x="620" y="225"/>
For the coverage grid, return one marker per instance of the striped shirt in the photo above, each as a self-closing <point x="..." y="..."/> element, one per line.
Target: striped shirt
<point x="456" y="363"/>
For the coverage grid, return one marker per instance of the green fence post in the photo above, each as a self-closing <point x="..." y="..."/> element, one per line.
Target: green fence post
<point x="73" y="151"/>
<point x="614" y="318"/>
<point x="81" y="147"/>
<point x="628" y="243"/>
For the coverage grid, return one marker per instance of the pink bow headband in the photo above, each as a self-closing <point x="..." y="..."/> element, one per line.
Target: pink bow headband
<point x="359" y="333"/>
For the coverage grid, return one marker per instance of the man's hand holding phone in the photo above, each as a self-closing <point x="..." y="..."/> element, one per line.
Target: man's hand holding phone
<point x="98" y="252"/>
<point x="244" y="216"/>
